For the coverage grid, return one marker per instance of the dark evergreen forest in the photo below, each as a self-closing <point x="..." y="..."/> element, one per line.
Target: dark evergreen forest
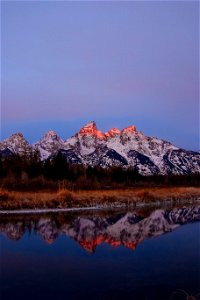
<point x="21" y="172"/>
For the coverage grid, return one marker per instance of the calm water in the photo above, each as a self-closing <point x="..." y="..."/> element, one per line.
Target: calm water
<point x="143" y="254"/>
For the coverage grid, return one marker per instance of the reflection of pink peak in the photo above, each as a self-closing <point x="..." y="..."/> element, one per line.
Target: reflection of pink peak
<point x="90" y="245"/>
<point x="112" y="132"/>
<point x="130" y="245"/>
<point x="49" y="241"/>
<point x="91" y="129"/>
<point x="130" y="129"/>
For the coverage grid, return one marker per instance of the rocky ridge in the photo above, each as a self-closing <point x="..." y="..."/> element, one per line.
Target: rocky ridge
<point x="125" y="148"/>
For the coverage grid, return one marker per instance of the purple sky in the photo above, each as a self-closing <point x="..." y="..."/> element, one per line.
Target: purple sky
<point x="118" y="63"/>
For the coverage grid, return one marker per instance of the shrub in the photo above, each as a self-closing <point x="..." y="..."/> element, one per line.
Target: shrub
<point x="65" y="196"/>
<point x="145" y="195"/>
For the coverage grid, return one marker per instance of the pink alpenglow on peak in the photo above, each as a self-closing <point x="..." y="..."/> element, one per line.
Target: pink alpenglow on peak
<point x="91" y="129"/>
<point x="130" y="129"/>
<point x="100" y="134"/>
<point x="113" y="132"/>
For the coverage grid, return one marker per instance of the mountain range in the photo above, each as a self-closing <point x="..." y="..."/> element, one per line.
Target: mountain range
<point x="122" y="148"/>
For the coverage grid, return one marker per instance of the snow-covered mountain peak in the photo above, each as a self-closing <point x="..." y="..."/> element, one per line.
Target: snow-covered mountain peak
<point x="49" y="144"/>
<point x="15" y="137"/>
<point x="16" y="143"/>
<point x="51" y="135"/>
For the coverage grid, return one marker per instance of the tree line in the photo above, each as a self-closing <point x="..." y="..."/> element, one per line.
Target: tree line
<point x="29" y="172"/>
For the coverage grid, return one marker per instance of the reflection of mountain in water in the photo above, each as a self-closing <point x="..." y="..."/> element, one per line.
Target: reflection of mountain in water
<point x="127" y="229"/>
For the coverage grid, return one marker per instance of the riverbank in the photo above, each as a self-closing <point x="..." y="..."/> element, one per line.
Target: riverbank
<point x="65" y="199"/>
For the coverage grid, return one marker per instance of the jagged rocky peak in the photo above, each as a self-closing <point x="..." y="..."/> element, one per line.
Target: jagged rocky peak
<point x="129" y="129"/>
<point x="49" y="144"/>
<point x="16" y="143"/>
<point x="113" y="132"/>
<point x="91" y="129"/>
<point x="16" y="136"/>
<point x="51" y="135"/>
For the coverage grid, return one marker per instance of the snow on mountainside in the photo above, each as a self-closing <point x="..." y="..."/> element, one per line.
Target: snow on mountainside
<point x="49" y="144"/>
<point x="125" y="148"/>
<point x="16" y="143"/>
<point x="129" y="147"/>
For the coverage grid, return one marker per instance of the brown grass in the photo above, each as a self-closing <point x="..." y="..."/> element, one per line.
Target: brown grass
<point x="65" y="198"/>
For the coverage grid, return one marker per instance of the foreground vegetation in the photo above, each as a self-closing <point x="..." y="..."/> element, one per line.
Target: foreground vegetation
<point x="97" y="198"/>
